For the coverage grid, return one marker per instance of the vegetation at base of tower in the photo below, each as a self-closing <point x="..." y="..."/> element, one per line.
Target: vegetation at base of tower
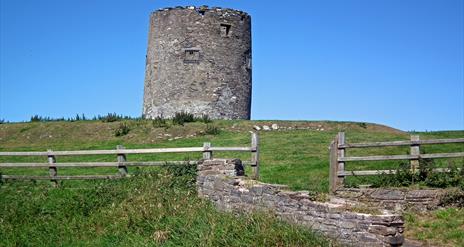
<point x="159" y="122"/>
<point x="180" y="118"/>
<point x="205" y="119"/>
<point x="122" y="130"/>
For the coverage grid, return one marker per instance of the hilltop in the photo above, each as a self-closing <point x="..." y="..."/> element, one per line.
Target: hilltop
<point x="36" y="134"/>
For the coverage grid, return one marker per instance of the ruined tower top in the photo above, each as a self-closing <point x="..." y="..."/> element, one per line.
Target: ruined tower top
<point x="198" y="61"/>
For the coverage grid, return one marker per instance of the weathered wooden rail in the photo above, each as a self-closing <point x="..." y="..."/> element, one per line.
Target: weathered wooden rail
<point x="338" y="156"/>
<point x="122" y="164"/>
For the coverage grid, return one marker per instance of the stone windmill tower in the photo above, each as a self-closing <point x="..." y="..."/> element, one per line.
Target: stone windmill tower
<point x="198" y="61"/>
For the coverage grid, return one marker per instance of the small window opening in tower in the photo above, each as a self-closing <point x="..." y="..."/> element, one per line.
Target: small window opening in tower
<point x="225" y="30"/>
<point x="191" y="55"/>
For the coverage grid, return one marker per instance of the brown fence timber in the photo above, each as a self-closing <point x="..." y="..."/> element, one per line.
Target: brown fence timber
<point x="122" y="164"/>
<point x="338" y="156"/>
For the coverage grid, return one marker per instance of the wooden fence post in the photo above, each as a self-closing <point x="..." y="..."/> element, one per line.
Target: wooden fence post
<point x="415" y="150"/>
<point x="341" y="154"/>
<point x="122" y="158"/>
<point x="52" y="170"/>
<point x="333" y="165"/>
<point x="255" y="155"/>
<point x="207" y="154"/>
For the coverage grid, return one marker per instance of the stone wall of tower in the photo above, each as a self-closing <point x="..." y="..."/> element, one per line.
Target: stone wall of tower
<point x="198" y="61"/>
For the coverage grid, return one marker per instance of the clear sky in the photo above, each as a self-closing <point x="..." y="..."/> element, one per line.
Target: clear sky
<point x="394" y="62"/>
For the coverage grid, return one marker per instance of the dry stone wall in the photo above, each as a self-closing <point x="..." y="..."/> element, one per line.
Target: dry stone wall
<point x="223" y="182"/>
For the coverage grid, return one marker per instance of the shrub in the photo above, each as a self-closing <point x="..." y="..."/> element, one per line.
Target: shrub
<point x="110" y="117"/>
<point x="363" y="125"/>
<point x="183" y="117"/>
<point x="2" y="121"/>
<point x="426" y="176"/>
<point x="185" y="175"/>
<point x="123" y="129"/>
<point x="211" y="130"/>
<point x="454" y="177"/>
<point x="402" y="177"/>
<point x="159" y="122"/>
<point x="36" y="118"/>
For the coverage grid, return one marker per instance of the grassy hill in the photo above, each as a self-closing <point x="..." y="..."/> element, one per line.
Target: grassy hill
<point x="156" y="207"/>
<point x="297" y="157"/>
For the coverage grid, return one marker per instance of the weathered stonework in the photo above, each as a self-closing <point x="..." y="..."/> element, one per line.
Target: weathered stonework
<point x="198" y="61"/>
<point x="396" y="198"/>
<point x="222" y="182"/>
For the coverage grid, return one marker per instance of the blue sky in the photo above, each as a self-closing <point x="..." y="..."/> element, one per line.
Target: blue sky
<point x="394" y="62"/>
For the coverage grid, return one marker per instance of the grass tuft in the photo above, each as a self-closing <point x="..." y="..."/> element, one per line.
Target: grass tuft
<point x="183" y="117"/>
<point x="122" y="130"/>
<point x="212" y="130"/>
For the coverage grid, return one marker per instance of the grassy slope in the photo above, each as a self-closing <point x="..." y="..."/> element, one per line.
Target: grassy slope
<point x="148" y="210"/>
<point x="298" y="158"/>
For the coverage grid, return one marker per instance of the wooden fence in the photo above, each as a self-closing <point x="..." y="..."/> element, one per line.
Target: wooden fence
<point x="338" y="157"/>
<point x="122" y="164"/>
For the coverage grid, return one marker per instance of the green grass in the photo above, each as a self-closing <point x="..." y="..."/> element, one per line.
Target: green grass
<point x="148" y="210"/>
<point x="151" y="209"/>
<point x="298" y="158"/>
<point x="443" y="227"/>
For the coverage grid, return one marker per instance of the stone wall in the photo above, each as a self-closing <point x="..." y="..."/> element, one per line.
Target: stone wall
<point x="396" y="199"/>
<point x="223" y="182"/>
<point x="198" y="61"/>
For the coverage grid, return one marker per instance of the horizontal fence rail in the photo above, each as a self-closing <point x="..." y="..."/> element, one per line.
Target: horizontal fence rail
<point x="122" y="164"/>
<point x="53" y="178"/>
<point x="403" y="157"/>
<point x="96" y="164"/>
<point x="130" y="151"/>
<point x="380" y="172"/>
<point x="400" y="143"/>
<point x="338" y="156"/>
